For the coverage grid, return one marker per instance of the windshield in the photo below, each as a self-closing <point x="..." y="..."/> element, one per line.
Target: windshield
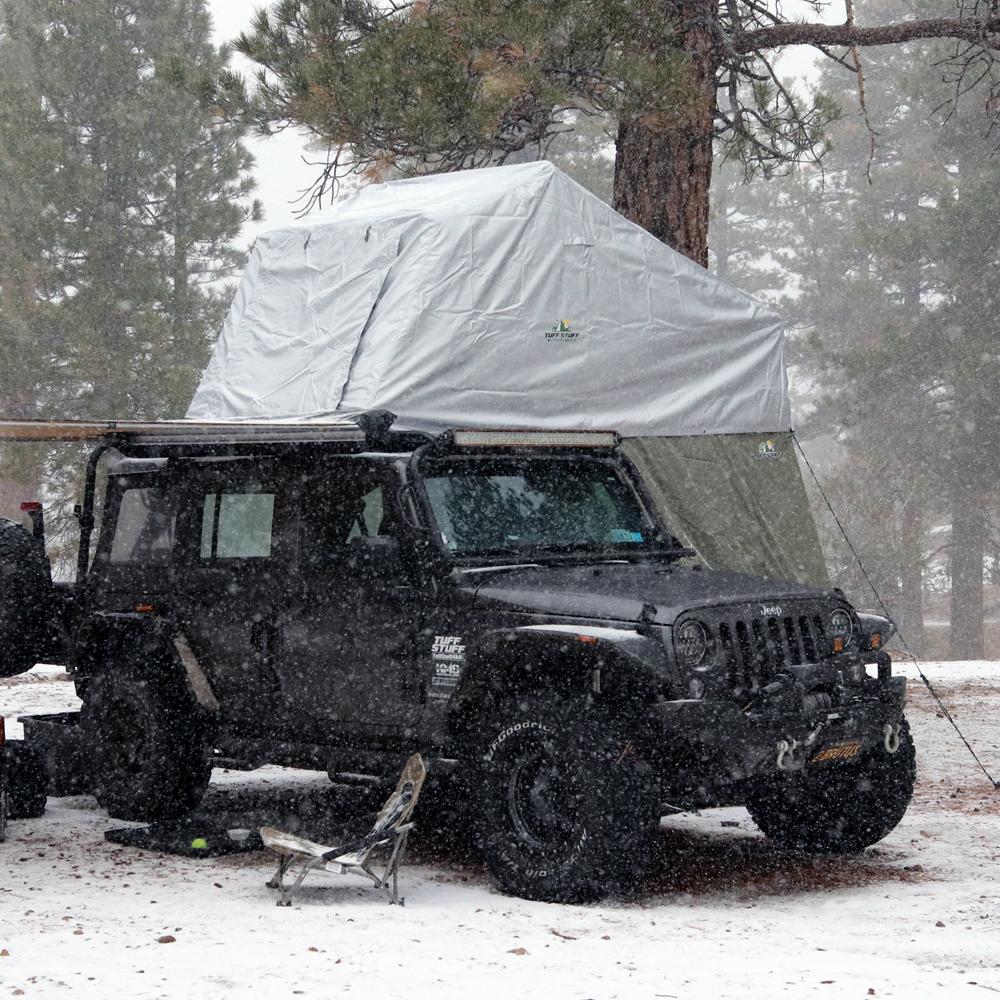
<point x="514" y="505"/>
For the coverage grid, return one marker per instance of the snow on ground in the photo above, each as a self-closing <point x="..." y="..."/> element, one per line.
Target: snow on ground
<point x="723" y="916"/>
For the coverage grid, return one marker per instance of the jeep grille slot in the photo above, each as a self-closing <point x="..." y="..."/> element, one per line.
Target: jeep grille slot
<point x="754" y="651"/>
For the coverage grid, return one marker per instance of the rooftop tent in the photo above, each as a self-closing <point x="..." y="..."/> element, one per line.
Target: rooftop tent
<point x="512" y="297"/>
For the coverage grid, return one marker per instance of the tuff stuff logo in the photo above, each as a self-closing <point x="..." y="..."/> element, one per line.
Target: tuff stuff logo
<point x="448" y="648"/>
<point x="766" y="450"/>
<point x="562" y="331"/>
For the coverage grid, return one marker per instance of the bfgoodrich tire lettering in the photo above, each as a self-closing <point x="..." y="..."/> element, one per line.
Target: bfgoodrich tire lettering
<point x="149" y="759"/>
<point x="839" y="808"/>
<point x="568" y="809"/>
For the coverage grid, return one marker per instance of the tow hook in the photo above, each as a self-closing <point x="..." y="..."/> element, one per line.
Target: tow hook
<point x="787" y="758"/>
<point x="792" y="754"/>
<point x="890" y="737"/>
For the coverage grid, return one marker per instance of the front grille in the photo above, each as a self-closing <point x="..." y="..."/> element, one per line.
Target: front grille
<point x="755" y="651"/>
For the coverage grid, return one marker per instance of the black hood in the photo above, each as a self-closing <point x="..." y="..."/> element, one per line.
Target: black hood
<point x="617" y="592"/>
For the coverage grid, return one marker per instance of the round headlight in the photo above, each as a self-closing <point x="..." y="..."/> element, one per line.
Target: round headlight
<point x="841" y="626"/>
<point x="691" y="643"/>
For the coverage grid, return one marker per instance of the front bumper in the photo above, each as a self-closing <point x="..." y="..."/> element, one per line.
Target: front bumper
<point x="735" y="747"/>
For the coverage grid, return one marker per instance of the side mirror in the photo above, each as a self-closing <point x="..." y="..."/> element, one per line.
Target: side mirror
<point x="375" y="557"/>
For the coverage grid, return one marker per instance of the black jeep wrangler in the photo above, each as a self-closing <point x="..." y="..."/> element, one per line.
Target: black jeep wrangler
<point x="508" y="603"/>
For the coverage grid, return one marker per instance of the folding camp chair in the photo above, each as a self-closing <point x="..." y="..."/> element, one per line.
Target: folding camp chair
<point x="390" y="832"/>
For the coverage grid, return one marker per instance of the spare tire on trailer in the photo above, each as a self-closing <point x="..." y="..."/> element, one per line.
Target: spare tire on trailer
<point x="26" y="600"/>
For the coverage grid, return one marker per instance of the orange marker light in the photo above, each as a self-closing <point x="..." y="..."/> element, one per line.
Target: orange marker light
<point x="588" y="639"/>
<point x="875" y="640"/>
<point x="144" y="607"/>
<point x="838" y="645"/>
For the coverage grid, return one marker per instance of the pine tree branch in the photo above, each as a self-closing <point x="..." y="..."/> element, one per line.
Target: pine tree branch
<point x="976" y="30"/>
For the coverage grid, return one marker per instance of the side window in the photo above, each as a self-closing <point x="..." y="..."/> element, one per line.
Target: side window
<point x="144" y="528"/>
<point x="237" y="525"/>
<point x="336" y="509"/>
<point x="370" y="519"/>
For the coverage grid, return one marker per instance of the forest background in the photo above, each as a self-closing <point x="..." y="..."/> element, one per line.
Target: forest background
<point x="126" y="190"/>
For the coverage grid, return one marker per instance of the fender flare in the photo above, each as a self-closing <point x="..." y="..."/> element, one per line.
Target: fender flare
<point x="106" y="635"/>
<point x="606" y="662"/>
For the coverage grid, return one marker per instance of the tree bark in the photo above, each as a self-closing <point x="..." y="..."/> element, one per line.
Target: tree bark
<point x="663" y="169"/>
<point x="911" y="589"/>
<point x="968" y="544"/>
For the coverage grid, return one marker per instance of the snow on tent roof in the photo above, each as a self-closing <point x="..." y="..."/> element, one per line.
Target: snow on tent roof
<point x="507" y="296"/>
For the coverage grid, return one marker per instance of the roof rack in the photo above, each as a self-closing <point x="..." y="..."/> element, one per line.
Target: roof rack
<point x="504" y="438"/>
<point x="372" y="428"/>
<point x="140" y="433"/>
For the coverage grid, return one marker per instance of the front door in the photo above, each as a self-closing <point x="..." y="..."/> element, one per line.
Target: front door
<point x="350" y="627"/>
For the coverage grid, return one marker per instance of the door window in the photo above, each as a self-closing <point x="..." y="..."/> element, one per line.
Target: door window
<point x="370" y="518"/>
<point x="144" y="528"/>
<point x="237" y="525"/>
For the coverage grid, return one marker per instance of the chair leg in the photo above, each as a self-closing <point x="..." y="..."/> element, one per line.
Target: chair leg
<point x="395" y="860"/>
<point x="276" y="880"/>
<point x="287" y="892"/>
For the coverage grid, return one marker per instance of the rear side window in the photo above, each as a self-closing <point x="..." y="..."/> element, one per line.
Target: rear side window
<point x="237" y="525"/>
<point x="144" y="528"/>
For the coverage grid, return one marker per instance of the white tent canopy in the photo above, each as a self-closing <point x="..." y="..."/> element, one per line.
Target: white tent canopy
<point x="500" y="297"/>
<point x="512" y="297"/>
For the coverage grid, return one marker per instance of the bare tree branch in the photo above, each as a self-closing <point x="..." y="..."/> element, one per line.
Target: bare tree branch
<point x="976" y="30"/>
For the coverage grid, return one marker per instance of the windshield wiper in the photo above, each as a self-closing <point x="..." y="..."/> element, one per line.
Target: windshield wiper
<point x="544" y="555"/>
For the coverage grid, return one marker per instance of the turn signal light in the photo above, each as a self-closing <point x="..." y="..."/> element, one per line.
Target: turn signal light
<point x="144" y="607"/>
<point x="875" y="640"/>
<point x="29" y="505"/>
<point x="838" y="645"/>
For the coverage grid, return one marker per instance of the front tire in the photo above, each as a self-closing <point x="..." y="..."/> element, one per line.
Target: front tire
<point x="149" y="756"/>
<point x="839" y="808"/>
<point x="568" y="808"/>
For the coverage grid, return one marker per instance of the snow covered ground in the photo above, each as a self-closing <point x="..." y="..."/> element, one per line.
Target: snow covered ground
<point x="725" y="915"/>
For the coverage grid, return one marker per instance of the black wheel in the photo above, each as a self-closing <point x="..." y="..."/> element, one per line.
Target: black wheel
<point x="26" y="600"/>
<point x="149" y="755"/>
<point x="567" y="810"/>
<point x="839" y="808"/>
<point x="27" y="780"/>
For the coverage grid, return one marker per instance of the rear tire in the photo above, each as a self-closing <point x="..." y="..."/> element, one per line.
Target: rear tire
<point x="149" y="755"/>
<point x="27" y="601"/>
<point x="27" y="781"/>
<point x="567" y="808"/>
<point x="839" y="808"/>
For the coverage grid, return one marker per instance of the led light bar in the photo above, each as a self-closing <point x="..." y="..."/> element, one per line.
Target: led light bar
<point x="177" y="432"/>
<point x="535" y="439"/>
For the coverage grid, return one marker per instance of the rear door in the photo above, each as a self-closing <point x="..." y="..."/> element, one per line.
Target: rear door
<point x="231" y="578"/>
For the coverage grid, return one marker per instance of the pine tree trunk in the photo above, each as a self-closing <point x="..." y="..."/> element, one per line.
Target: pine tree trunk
<point x="663" y="169"/>
<point x="911" y="591"/>
<point x="968" y="544"/>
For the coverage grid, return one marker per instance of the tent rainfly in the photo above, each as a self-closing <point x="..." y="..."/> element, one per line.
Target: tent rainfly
<point x="512" y="297"/>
